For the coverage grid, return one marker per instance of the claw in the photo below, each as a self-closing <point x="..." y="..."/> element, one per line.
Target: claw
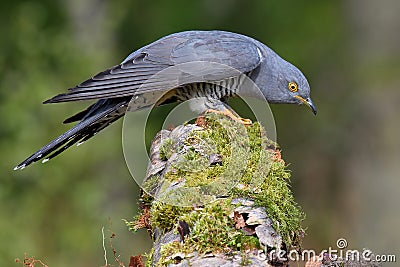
<point x="230" y="114"/>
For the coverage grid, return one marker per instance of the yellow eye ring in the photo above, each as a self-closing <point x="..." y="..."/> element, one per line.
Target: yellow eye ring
<point x="293" y="87"/>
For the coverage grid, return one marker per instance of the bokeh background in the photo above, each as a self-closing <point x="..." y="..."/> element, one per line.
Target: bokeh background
<point x="345" y="161"/>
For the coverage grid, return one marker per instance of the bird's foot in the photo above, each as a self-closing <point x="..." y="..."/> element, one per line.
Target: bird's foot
<point x="228" y="113"/>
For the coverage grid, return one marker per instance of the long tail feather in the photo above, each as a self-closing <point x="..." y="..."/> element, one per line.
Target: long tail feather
<point x="95" y="121"/>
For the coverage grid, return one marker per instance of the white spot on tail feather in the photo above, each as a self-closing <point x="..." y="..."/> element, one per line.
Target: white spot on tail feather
<point x="20" y="167"/>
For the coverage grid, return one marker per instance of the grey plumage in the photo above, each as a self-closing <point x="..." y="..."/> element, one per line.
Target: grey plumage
<point x="136" y="78"/>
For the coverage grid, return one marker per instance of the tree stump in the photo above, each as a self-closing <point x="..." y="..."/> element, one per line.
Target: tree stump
<point x="217" y="193"/>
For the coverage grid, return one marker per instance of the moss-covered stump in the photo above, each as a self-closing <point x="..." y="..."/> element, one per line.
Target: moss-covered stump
<point x="217" y="193"/>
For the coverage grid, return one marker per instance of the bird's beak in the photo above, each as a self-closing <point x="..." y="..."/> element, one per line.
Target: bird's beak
<point x="308" y="102"/>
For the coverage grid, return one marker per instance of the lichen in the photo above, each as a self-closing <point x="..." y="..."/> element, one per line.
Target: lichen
<point x="150" y="185"/>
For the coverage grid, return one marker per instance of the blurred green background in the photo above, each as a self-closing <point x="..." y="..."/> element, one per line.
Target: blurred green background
<point x="345" y="161"/>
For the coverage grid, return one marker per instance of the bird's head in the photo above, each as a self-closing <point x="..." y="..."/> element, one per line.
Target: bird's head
<point x="294" y="87"/>
<point x="286" y="83"/>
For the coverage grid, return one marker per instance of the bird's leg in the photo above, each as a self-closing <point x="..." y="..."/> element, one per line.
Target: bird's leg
<point x="210" y="105"/>
<point x="227" y="112"/>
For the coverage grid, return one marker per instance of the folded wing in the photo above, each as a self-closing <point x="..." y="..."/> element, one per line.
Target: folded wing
<point x="168" y="63"/>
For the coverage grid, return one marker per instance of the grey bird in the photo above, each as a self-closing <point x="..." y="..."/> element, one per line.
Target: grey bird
<point x="133" y="79"/>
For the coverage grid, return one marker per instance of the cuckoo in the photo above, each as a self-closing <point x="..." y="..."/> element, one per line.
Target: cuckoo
<point x="136" y="82"/>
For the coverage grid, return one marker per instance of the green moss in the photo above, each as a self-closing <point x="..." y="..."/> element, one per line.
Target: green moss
<point x="149" y="257"/>
<point x="166" y="216"/>
<point x="275" y="195"/>
<point x="132" y="224"/>
<point x="245" y="259"/>
<point x="170" y="249"/>
<point x="211" y="230"/>
<point x="193" y="166"/>
<point x="167" y="148"/>
<point x="267" y="181"/>
<point x="146" y="199"/>
<point x="222" y="137"/>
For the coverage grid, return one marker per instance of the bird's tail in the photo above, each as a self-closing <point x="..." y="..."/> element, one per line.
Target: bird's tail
<point x="96" y="118"/>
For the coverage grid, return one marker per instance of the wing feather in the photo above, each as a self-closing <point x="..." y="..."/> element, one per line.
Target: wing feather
<point x="189" y="54"/>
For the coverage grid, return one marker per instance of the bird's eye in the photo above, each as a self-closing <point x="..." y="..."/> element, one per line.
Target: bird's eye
<point x="293" y="87"/>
